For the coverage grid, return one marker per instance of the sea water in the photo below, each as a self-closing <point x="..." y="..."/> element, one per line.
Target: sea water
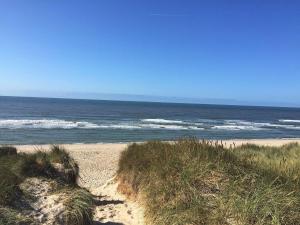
<point x="46" y="120"/>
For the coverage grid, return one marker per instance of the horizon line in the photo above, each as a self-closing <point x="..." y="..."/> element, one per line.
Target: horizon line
<point x="148" y="101"/>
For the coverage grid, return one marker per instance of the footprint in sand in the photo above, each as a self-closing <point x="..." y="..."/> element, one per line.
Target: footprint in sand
<point x="113" y="208"/>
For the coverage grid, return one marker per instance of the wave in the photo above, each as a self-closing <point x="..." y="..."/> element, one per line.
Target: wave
<point x="46" y="124"/>
<point x="162" y="121"/>
<point x="146" y="124"/>
<point x="120" y="126"/>
<point x="289" y="121"/>
<point x="150" y="126"/>
<point x="64" y="124"/>
<point x="244" y="125"/>
<point x="201" y="124"/>
<point x="169" y="124"/>
<point x="236" y="127"/>
<point x="169" y="127"/>
<point x="275" y="125"/>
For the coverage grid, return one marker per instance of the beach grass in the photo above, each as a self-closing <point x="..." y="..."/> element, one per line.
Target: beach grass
<point x="78" y="207"/>
<point x="54" y="165"/>
<point x="192" y="182"/>
<point x="10" y="216"/>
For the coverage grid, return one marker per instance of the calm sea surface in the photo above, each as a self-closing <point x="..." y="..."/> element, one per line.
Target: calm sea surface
<point x="44" y="120"/>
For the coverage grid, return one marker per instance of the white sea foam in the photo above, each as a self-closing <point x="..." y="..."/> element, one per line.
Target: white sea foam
<point x="46" y="124"/>
<point x="212" y="124"/>
<point x="244" y="125"/>
<point x="236" y="127"/>
<point x="64" y="124"/>
<point x="162" y="121"/>
<point x="233" y="125"/>
<point x="169" y="127"/>
<point x="275" y="125"/>
<point x="289" y="121"/>
<point x="120" y="126"/>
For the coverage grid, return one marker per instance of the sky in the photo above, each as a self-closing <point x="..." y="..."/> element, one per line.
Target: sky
<point x="224" y="50"/>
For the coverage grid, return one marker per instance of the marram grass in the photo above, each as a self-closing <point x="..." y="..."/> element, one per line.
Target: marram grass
<point x="9" y="216"/>
<point x="14" y="168"/>
<point x="78" y="208"/>
<point x="192" y="182"/>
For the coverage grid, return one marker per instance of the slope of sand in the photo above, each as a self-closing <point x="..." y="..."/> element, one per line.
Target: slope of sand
<point x="98" y="165"/>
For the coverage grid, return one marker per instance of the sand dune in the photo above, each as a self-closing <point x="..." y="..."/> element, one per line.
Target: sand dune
<point x="98" y="164"/>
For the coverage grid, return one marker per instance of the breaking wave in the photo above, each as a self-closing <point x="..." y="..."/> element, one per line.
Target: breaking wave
<point x="289" y="121"/>
<point x="236" y="127"/>
<point x="64" y="124"/>
<point x="46" y="124"/>
<point x="148" y="124"/>
<point x="162" y="121"/>
<point x="248" y="125"/>
<point x="170" y="127"/>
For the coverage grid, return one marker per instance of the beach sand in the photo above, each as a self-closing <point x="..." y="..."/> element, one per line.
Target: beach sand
<point x="98" y="165"/>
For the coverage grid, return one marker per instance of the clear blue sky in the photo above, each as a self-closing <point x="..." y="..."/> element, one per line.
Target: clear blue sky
<point x="226" y="49"/>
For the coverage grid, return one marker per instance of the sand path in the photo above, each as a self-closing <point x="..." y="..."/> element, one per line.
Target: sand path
<point x="98" y="165"/>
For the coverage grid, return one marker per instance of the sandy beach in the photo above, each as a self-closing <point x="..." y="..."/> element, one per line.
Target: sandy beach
<point x="98" y="164"/>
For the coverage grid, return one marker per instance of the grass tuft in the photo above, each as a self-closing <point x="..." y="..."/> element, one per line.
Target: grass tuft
<point x="192" y="182"/>
<point x="9" y="189"/>
<point x="7" y="150"/>
<point x="37" y="164"/>
<point x="79" y="208"/>
<point x="54" y="165"/>
<point x="70" y="169"/>
<point x="9" y="216"/>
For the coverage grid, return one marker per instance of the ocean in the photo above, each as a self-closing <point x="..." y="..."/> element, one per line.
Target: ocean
<point x="45" y="120"/>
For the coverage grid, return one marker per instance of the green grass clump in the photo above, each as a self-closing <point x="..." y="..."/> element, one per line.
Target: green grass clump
<point x="9" y="216"/>
<point x="79" y="207"/>
<point x="41" y="163"/>
<point x="60" y="156"/>
<point x="283" y="162"/>
<point x="9" y="189"/>
<point x="25" y="165"/>
<point x="37" y="164"/>
<point x="192" y="182"/>
<point x="54" y="165"/>
<point x="7" y="150"/>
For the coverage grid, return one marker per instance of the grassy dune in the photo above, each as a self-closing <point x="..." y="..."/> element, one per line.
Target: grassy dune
<point x="56" y="168"/>
<point x="192" y="182"/>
